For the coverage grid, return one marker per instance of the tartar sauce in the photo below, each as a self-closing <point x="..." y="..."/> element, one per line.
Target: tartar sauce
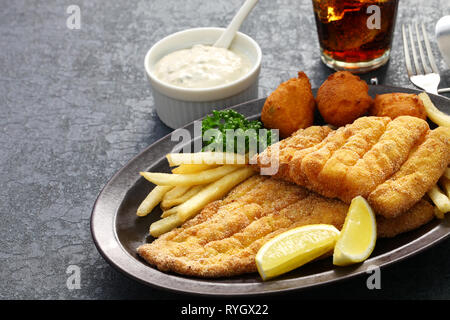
<point x="202" y="67"/>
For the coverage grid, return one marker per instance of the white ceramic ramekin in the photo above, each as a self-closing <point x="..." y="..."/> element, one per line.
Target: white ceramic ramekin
<point x="178" y="106"/>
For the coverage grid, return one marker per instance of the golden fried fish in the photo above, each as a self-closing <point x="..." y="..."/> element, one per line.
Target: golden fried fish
<point x="392" y="163"/>
<point x="224" y="238"/>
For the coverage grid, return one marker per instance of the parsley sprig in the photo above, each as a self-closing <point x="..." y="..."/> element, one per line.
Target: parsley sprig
<point x="229" y="119"/>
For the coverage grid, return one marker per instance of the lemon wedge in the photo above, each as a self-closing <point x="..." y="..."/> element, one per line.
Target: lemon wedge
<point x="292" y="249"/>
<point x="358" y="235"/>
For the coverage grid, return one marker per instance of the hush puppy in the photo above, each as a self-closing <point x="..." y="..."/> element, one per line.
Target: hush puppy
<point x="290" y="107"/>
<point x="398" y="104"/>
<point x="343" y="98"/>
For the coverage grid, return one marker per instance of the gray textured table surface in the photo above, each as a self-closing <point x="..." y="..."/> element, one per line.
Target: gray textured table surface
<point x="76" y="106"/>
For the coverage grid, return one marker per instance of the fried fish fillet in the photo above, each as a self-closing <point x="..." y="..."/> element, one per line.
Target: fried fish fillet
<point x="224" y="238"/>
<point x="385" y="157"/>
<point x="300" y="140"/>
<point x="374" y="157"/>
<point x="416" y="176"/>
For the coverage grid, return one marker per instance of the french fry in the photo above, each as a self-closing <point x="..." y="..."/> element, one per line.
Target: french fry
<point x="445" y="183"/>
<point x="151" y="201"/>
<point x="189" y="179"/>
<point x="169" y="212"/>
<point x="212" y="192"/>
<point x="441" y="201"/>
<point x="191" y="168"/>
<point x="176" y="159"/>
<point x="164" y="225"/>
<point x="436" y="115"/>
<point x="175" y="192"/>
<point x="166" y="204"/>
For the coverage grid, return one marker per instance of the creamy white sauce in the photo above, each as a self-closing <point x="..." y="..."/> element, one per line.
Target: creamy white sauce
<point x="202" y="67"/>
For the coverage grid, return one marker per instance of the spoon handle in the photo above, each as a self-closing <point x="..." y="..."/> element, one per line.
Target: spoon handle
<point x="445" y="90"/>
<point x="225" y="39"/>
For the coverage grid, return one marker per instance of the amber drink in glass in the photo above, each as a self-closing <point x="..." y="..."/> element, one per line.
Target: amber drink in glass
<point x="355" y="35"/>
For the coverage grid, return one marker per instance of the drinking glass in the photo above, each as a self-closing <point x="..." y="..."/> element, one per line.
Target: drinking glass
<point x="355" y="35"/>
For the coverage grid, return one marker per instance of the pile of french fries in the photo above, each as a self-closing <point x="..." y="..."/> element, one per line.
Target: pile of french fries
<point x="440" y="193"/>
<point x="197" y="179"/>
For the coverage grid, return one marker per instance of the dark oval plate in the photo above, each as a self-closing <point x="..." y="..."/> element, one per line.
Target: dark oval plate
<point x="117" y="231"/>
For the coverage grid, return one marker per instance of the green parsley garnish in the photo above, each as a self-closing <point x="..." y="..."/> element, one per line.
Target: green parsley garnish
<point x="240" y="127"/>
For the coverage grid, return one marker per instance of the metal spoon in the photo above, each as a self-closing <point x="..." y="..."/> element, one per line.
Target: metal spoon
<point x="227" y="37"/>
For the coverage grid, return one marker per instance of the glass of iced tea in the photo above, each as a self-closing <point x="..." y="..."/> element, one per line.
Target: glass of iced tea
<point x="355" y="35"/>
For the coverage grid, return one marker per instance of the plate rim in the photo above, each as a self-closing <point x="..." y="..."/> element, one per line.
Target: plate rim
<point x="118" y="257"/>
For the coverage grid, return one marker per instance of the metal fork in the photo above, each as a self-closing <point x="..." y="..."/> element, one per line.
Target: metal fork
<point x="426" y="78"/>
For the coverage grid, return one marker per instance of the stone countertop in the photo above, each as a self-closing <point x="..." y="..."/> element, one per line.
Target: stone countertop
<point x="76" y="106"/>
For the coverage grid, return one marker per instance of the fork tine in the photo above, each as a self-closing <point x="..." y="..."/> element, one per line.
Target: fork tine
<point x="426" y="68"/>
<point x="406" y="52"/>
<point x="413" y="47"/>
<point x="429" y="52"/>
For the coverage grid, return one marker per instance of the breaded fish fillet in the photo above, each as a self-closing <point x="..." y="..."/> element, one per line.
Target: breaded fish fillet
<point x="385" y="157"/>
<point x="362" y="158"/>
<point x="341" y="153"/>
<point x="224" y="238"/>
<point x="334" y="171"/>
<point x="299" y="140"/>
<point x="416" y="176"/>
<point x="421" y="213"/>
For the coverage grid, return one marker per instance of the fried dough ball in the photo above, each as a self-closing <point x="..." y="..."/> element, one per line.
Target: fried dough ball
<point x="290" y="107"/>
<point x="398" y="104"/>
<point x="343" y="98"/>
